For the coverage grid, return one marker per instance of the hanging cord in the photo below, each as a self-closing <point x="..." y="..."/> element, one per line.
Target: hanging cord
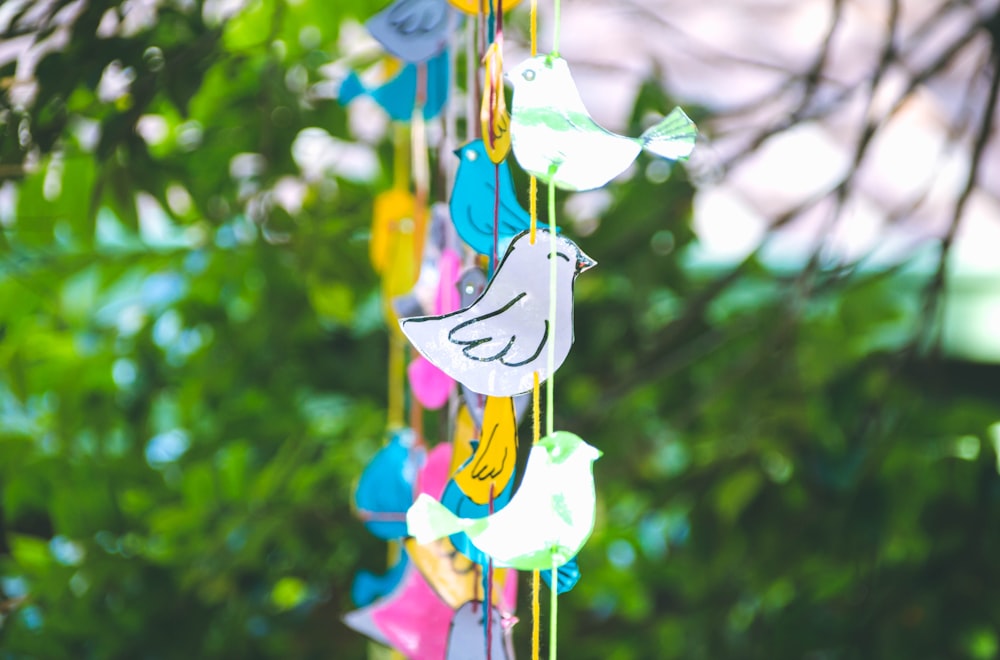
<point x="536" y="582"/>
<point x="550" y="383"/>
<point x="554" y="609"/>
<point x="555" y="29"/>
<point x="494" y="90"/>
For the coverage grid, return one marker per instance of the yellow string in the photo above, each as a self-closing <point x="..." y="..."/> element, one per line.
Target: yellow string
<point x="397" y="375"/>
<point x="533" y="204"/>
<point x="536" y="608"/>
<point x="536" y="628"/>
<point x="534" y="27"/>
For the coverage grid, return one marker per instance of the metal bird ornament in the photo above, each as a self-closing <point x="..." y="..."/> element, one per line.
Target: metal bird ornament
<point x="496" y="345"/>
<point x="555" y="138"/>
<point x="545" y="523"/>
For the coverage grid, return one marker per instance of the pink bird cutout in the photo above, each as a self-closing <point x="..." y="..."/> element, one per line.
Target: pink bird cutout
<point x="430" y="385"/>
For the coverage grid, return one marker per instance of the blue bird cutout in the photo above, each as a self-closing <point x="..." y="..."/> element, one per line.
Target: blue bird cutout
<point x="458" y="503"/>
<point x="369" y="587"/>
<point x="474" y="197"/>
<point x="398" y="95"/>
<point x="385" y="489"/>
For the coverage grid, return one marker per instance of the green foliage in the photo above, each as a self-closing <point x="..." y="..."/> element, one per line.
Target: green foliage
<point x="192" y="375"/>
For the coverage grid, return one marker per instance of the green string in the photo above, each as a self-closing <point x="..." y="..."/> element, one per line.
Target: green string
<point x="554" y="609"/>
<point x="555" y="31"/>
<point x="550" y="385"/>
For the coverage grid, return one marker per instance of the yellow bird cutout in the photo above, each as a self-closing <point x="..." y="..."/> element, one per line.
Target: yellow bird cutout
<point x="392" y="246"/>
<point x="461" y="444"/>
<point x="453" y="576"/>
<point x="476" y="6"/>
<point x="492" y="465"/>
<point x="493" y="113"/>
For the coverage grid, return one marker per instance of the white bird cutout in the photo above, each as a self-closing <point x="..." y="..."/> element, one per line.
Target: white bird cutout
<point x="545" y="523"/>
<point x="555" y="138"/>
<point x="495" y="345"/>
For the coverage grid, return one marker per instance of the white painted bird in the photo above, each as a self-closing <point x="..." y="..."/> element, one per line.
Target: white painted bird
<point x="556" y="139"/>
<point x="495" y="345"/>
<point x="545" y="523"/>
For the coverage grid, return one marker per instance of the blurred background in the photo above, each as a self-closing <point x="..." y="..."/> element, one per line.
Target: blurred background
<point x="789" y="353"/>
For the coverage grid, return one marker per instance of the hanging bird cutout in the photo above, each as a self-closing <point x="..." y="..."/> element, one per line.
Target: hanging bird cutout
<point x="492" y="465"/>
<point x="555" y="138"/>
<point x="546" y="522"/>
<point x="398" y="94"/>
<point x="496" y="345"/>
<point x="474" y="196"/>
<point x="493" y="116"/>
<point x="413" y="30"/>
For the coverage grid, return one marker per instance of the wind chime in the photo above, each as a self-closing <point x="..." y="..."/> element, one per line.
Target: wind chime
<point x="481" y="298"/>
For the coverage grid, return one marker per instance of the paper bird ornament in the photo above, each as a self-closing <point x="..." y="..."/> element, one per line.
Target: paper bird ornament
<point x="474" y="7"/>
<point x="429" y="384"/>
<point x="473" y="201"/>
<point x="472" y="470"/>
<point x="385" y="489"/>
<point x="451" y="574"/>
<point x="555" y="138"/>
<point x="413" y="30"/>
<point x="545" y="523"/>
<point x="398" y="95"/>
<point x="430" y="291"/>
<point x="491" y="467"/>
<point x="465" y="639"/>
<point x="368" y="586"/>
<point x="412" y="619"/>
<point x="493" y="116"/>
<point x="496" y="345"/>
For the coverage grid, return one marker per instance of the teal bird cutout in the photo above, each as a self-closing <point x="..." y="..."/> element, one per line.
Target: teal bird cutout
<point x="555" y="138"/>
<point x="545" y="523"/>
<point x="398" y="95"/>
<point x="474" y="197"/>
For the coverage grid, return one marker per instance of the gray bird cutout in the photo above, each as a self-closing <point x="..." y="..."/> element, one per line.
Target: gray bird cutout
<point x="495" y="345"/>
<point x="555" y="138"/>
<point x="414" y="30"/>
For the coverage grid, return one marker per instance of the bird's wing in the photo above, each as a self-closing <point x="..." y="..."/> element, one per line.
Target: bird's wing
<point x="508" y="334"/>
<point x="417" y="16"/>
<point x="491" y="467"/>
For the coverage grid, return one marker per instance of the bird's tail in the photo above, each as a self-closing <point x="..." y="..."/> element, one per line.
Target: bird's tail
<point x="566" y="577"/>
<point x="428" y="520"/>
<point x="672" y="138"/>
<point x="350" y="89"/>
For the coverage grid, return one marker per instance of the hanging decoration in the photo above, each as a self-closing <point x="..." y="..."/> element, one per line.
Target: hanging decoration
<point x="496" y="345"/>
<point x="556" y="140"/>
<point x="478" y="301"/>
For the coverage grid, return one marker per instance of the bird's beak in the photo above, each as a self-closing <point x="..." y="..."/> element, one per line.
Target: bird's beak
<point x="583" y="262"/>
<point x="458" y="152"/>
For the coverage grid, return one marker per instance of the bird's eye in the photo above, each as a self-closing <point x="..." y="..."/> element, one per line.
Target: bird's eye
<point x="469" y="289"/>
<point x="529" y="75"/>
<point x="471" y="155"/>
